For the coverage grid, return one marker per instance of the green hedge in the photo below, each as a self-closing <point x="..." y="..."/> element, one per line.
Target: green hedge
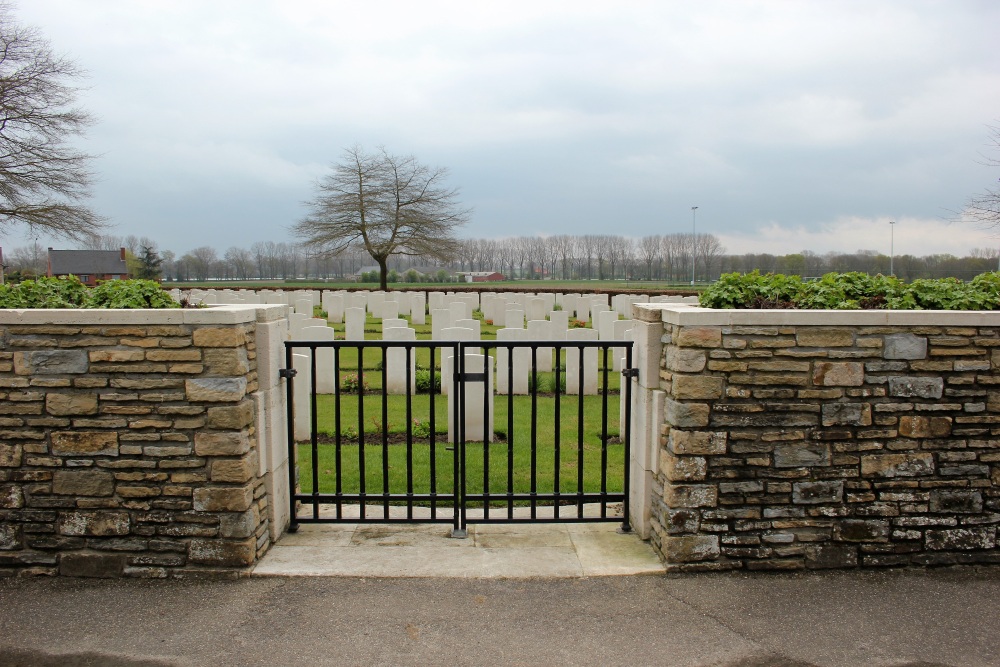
<point x="852" y="291"/>
<point x="71" y="293"/>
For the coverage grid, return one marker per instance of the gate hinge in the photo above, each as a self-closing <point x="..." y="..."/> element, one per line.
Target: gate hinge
<point x="287" y="373"/>
<point x="630" y="373"/>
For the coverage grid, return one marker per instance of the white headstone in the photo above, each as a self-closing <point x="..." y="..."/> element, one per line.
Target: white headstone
<point x="302" y="424"/>
<point x="621" y="332"/>
<point x="534" y="308"/>
<point x="540" y="330"/>
<point x="573" y="367"/>
<point x="514" y="318"/>
<point x="325" y="372"/>
<point x="396" y="366"/>
<point x="354" y="324"/>
<point x="418" y="308"/>
<point x="333" y="304"/>
<point x="475" y="325"/>
<point x="440" y="320"/>
<point x="392" y="323"/>
<point x="514" y="362"/>
<point x="476" y="428"/>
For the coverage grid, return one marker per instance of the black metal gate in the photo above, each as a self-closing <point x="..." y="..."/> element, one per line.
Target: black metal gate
<point x="547" y="452"/>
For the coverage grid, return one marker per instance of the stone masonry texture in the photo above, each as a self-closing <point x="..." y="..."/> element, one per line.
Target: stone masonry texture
<point x="130" y="450"/>
<point x="804" y="446"/>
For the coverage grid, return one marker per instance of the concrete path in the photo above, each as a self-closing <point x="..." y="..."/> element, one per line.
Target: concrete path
<point x="489" y="551"/>
<point x="839" y="619"/>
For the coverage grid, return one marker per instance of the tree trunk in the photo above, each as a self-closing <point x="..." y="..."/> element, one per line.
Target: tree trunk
<point x="383" y="272"/>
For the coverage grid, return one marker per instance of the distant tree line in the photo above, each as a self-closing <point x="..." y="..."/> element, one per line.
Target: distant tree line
<point x="659" y="258"/>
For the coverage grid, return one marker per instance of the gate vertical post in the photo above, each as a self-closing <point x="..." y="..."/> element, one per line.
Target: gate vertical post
<point x="626" y="526"/>
<point x="289" y="373"/>
<point x="459" y="528"/>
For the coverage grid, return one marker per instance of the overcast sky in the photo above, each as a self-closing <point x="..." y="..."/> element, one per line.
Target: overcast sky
<point x="791" y="125"/>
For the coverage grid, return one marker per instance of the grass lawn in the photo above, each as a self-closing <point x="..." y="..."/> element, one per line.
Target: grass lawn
<point x="510" y="459"/>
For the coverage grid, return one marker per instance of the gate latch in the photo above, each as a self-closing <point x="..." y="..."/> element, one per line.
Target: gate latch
<point x="630" y="373"/>
<point x="287" y="373"/>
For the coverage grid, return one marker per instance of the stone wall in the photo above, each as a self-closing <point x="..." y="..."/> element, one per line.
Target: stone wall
<point x="826" y="439"/>
<point x="138" y="443"/>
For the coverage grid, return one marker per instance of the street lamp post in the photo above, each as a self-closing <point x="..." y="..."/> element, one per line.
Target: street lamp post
<point x="892" y="246"/>
<point x="694" y="240"/>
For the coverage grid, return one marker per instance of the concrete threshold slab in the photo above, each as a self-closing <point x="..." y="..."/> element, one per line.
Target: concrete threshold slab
<point x="491" y="551"/>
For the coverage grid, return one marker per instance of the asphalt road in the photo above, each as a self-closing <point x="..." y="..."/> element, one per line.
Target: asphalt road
<point x="906" y="617"/>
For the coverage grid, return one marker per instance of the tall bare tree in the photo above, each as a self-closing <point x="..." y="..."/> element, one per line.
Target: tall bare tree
<point x="43" y="179"/>
<point x="385" y="204"/>
<point x="984" y="208"/>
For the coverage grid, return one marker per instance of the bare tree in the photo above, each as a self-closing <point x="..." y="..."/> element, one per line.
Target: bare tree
<point x="385" y="204"/>
<point x="710" y="249"/>
<point x="201" y="262"/>
<point x="241" y="262"/>
<point x="984" y="208"/>
<point x="43" y="178"/>
<point x="564" y="245"/>
<point x="648" y="248"/>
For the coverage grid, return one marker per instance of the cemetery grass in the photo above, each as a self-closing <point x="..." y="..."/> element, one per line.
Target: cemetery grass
<point x="505" y="453"/>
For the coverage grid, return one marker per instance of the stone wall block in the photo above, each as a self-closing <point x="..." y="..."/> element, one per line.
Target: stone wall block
<point x="847" y="414"/>
<point x="234" y="417"/>
<point x="699" y="337"/>
<point x="690" y="548"/>
<point x="219" y="337"/>
<point x="11" y="497"/>
<point x="10" y="537"/>
<point x="51" y="362"/>
<point x="94" y="524"/>
<point x="945" y="501"/>
<point x="916" y="464"/>
<point x="100" y="565"/>
<point x="62" y="405"/>
<point x="686" y="415"/>
<point x="838" y="374"/>
<point x="827" y="556"/>
<point x="697" y="387"/>
<point x="208" y="443"/>
<point x="220" y="553"/>
<point x="916" y="387"/>
<point x="215" y="390"/>
<point x="683" y="468"/>
<point x="704" y="443"/>
<point x="83" y="483"/>
<point x="223" y="499"/>
<point x="10" y="455"/>
<point x="801" y="454"/>
<point x="226" y="361"/>
<point x="905" y="346"/>
<point x="233" y="470"/>
<point x="816" y="493"/>
<point x="961" y="539"/>
<point x="680" y="521"/>
<point x="822" y="337"/>
<point x="690" y="495"/>
<point x="684" y="360"/>
<point x="924" y="427"/>
<point x="862" y="530"/>
<point x="85" y="443"/>
<point x="239" y="525"/>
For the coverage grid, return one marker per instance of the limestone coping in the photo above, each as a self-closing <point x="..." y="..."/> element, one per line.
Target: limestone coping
<point x="687" y="315"/>
<point x="220" y="314"/>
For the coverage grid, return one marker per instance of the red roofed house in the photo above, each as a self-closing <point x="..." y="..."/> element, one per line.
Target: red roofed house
<point x="90" y="266"/>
